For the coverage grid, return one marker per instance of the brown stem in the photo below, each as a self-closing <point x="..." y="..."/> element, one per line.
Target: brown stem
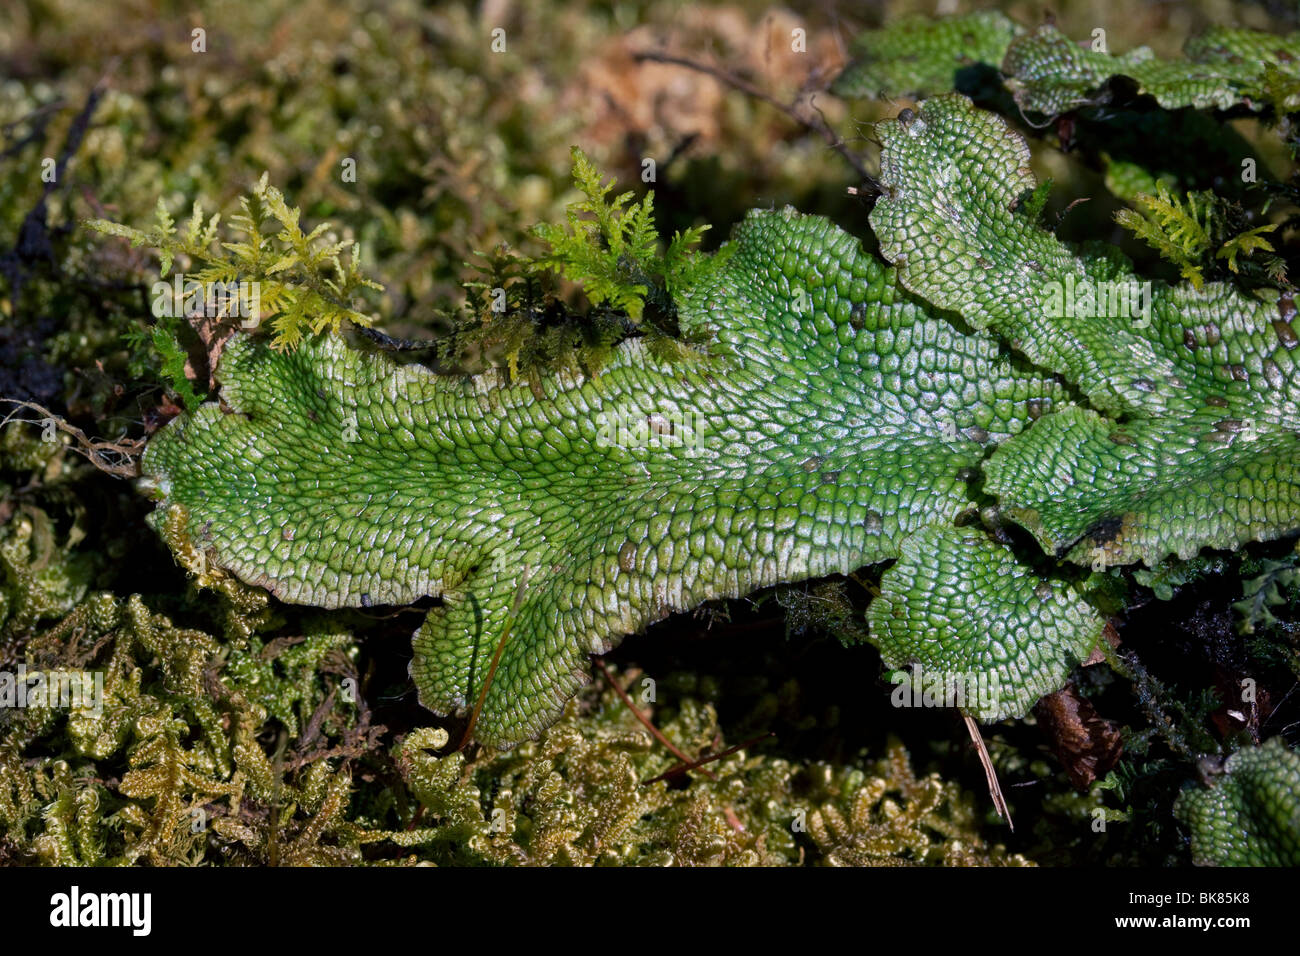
<point x="697" y="764"/>
<point x="496" y="658"/>
<point x="990" y="774"/>
<point x="816" y="124"/>
<point x="645" y="721"/>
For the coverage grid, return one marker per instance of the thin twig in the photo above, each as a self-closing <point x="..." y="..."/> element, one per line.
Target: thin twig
<point x="816" y="124"/>
<point x="120" y="458"/>
<point x="991" y="775"/>
<point x="39" y="119"/>
<point x="645" y="721"/>
<point x="697" y="764"/>
<point x="496" y="658"/>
